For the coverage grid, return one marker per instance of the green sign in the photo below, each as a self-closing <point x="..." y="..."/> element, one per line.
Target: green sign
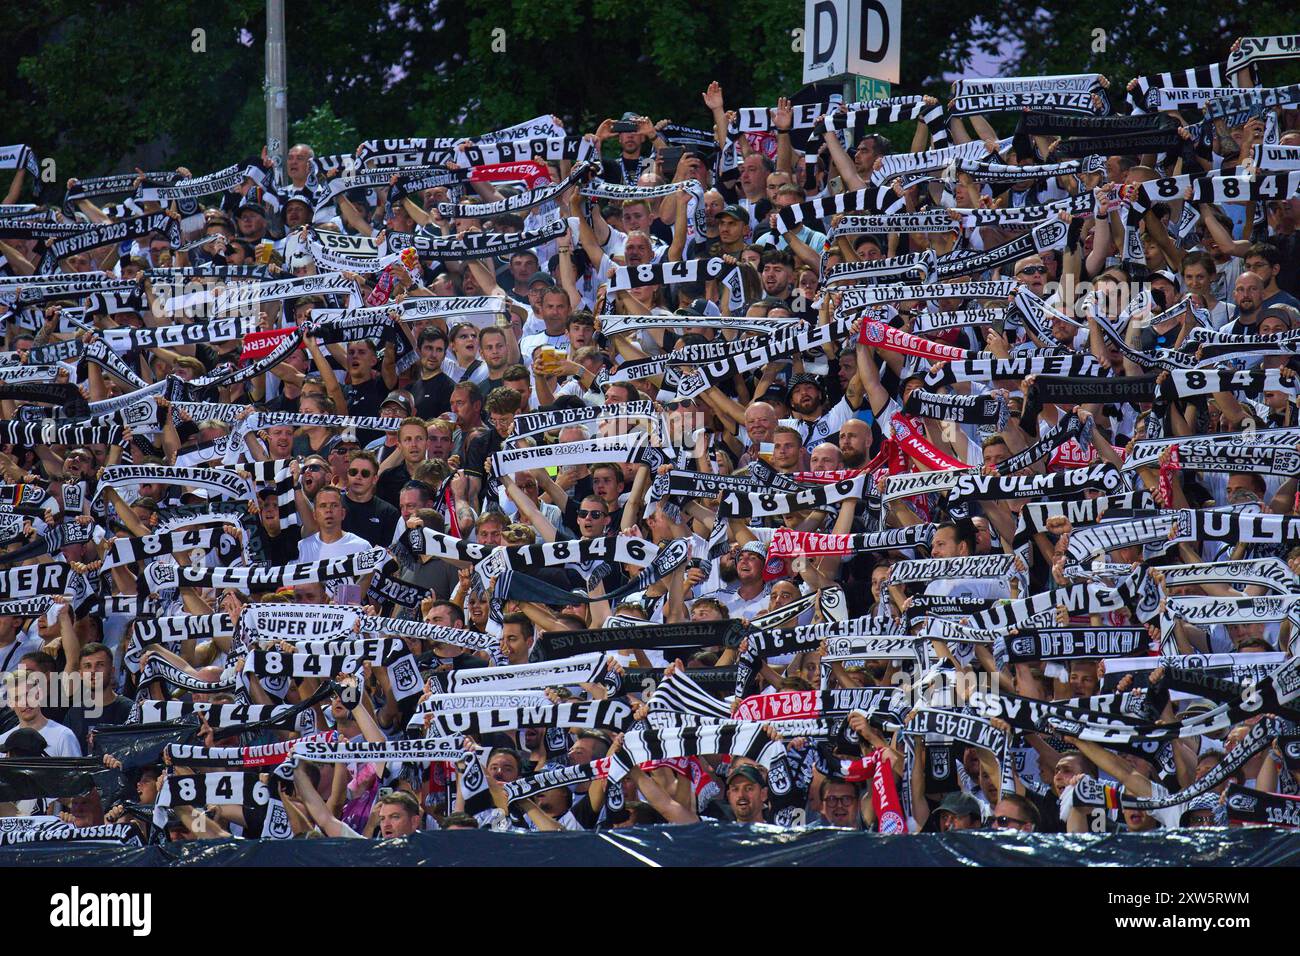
<point x="869" y="88"/>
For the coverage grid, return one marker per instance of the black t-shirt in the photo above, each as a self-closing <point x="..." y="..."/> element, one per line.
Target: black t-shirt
<point x="374" y="520"/>
<point x="390" y="484"/>
<point x="432" y="395"/>
<point x="80" y="724"/>
<point x="283" y="548"/>
<point x="480" y="448"/>
<point x="621" y="170"/>
<point x="364" y="399"/>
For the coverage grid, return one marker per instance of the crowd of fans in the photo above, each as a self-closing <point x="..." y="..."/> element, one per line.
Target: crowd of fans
<point x="1149" y="352"/>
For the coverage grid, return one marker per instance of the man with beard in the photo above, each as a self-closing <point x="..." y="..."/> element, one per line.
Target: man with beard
<point x="855" y="442"/>
<point x="806" y="397"/>
<point x="777" y="274"/>
<point x="432" y="390"/>
<point x="746" y="795"/>
<point x="748" y="596"/>
<point x="1248" y="294"/>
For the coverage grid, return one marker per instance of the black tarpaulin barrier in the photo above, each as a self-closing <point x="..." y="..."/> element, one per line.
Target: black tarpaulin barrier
<point x="705" y="845"/>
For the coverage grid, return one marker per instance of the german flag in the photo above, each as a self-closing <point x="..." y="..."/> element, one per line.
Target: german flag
<point x="1113" y="795"/>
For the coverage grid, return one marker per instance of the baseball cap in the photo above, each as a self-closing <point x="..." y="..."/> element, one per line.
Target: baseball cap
<point x="399" y="398"/>
<point x="1287" y="313"/>
<point x="257" y="207"/>
<point x="24" y="742"/>
<point x="962" y="804"/>
<point x="545" y="278"/>
<point x="736" y="213"/>
<point x="629" y="116"/>
<point x="748" y="772"/>
<point x="755" y="547"/>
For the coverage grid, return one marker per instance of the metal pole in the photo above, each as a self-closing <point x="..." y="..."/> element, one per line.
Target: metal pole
<point x="277" y="105"/>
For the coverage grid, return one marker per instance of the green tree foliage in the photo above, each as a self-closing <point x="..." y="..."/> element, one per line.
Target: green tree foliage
<point x="99" y="85"/>
<point x="324" y="131"/>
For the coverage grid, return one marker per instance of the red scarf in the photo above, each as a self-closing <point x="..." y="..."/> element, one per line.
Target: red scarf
<point x="896" y="340"/>
<point x="884" y="794"/>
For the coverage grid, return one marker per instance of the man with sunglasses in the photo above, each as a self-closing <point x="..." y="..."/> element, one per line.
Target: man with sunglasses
<point x="368" y="517"/>
<point x="1014" y="812"/>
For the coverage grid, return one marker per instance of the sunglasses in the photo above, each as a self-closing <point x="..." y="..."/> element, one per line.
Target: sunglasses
<point x="358" y="473"/>
<point x="591" y="514"/>
<point x="1003" y="822"/>
<point x="1032" y="271"/>
<point x="313" y="467"/>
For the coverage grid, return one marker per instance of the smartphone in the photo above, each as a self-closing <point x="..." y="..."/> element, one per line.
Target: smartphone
<point x="624" y="126"/>
<point x="671" y="156"/>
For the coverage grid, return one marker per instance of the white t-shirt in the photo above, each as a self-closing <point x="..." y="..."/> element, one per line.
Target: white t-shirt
<point x="531" y="343"/>
<point x="314" y="549"/>
<point x="11" y="654"/>
<point x="59" y="740"/>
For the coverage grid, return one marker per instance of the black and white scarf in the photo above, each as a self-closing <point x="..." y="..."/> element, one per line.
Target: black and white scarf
<point x="221" y="181"/>
<point x="694" y="484"/>
<point x="914" y="267"/>
<point x="992" y="369"/>
<point x="1076" y="93"/>
<point x="815" y="210"/>
<point x="930" y="160"/>
<point x="985" y="410"/>
<point x="688" y="635"/>
<point x="171" y="631"/>
<point x="545" y="149"/>
<point x="534" y="423"/>
<point x="583" y="669"/>
<point x="1182" y="384"/>
<point x="617" y="448"/>
<point x="524" y="200"/>
<point x="50" y="432"/>
<point x="246" y="298"/>
<point x="1236" y="527"/>
<point x="586" y="553"/>
<point x="223" y="483"/>
<point x="1069" y="427"/>
<point x="1006" y="173"/>
<point x="856" y="299"/>
<point x="160" y="576"/>
<point x="413" y="750"/>
<point x="1139" y="590"/>
<point x="753" y="505"/>
<point x="667" y="273"/>
<point x="482" y="245"/>
<point x="613" y="715"/>
<point x="997" y="567"/>
<point x="33" y="580"/>
<point x="92" y="237"/>
<point x="681" y="693"/>
<point x="859" y="119"/>
<point x="124" y="551"/>
<point x="1050" y="234"/>
<point x="734" y="738"/>
<point x="931" y="220"/>
<point x="761" y="355"/>
<point x="968" y="729"/>
<point x="1151" y="531"/>
<point x="1070" y="643"/>
<point x="330" y="659"/>
<point x="611" y="325"/>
